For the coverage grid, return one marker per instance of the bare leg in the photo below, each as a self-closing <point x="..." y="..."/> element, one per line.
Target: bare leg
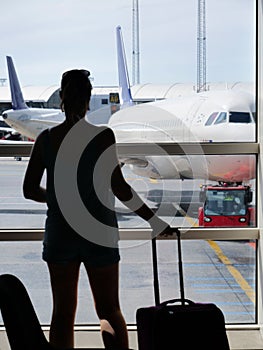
<point x="64" y="283"/>
<point x="108" y="335"/>
<point x="104" y="282"/>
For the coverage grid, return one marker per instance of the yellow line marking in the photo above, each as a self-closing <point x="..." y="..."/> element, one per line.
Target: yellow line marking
<point x="233" y="271"/>
<point x="182" y="212"/>
<point x="154" y="181"/>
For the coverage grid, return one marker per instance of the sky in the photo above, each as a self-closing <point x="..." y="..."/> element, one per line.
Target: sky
<point x="47" y="37"/>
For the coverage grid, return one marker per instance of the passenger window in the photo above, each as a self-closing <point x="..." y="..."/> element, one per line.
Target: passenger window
<point x="239" y="117"/>
<point x="221" y="118"/>
<point x="211" y="119"/>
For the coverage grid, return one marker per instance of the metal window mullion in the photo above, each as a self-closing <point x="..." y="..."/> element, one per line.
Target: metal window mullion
<point x="215" y="148"/>
<point x="193" y="233"/>
<point x="229" y="148"/>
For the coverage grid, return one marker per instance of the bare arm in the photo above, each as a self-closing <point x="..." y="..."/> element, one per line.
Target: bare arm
<point x="34" y="172"/>
<point x="126" y="194"/>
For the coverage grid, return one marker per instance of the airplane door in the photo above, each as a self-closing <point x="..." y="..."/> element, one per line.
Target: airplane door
<point x="192" y="118"/>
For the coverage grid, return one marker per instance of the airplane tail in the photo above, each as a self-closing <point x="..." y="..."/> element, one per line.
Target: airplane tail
<point x="18" y="101"/>
<point x="124" y="83"/>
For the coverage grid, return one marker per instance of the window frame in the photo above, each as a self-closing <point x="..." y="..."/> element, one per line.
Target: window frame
<point x="175" y="149"/>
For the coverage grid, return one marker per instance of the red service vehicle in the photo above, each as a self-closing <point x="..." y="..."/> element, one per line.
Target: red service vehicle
<point x="226" y="205"/>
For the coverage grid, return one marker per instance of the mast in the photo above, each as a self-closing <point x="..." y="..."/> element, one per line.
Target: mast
<point x="135" y="43"/>
<point x="201" y="47"/>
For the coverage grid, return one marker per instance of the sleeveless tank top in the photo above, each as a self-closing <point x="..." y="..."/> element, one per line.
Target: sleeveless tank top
<point x="104" y="229"/>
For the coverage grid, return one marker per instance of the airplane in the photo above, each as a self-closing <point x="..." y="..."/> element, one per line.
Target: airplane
<point x="219" y="116"/>
<point x="6" y="130"/>
<point x="9" y="136"/>
<point x="27" y="121"/>
<point x="31" y="121"/>
<point x="210" y="116"/>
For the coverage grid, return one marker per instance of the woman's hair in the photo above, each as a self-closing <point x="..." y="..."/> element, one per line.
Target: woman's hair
<point x="75" y="94"/>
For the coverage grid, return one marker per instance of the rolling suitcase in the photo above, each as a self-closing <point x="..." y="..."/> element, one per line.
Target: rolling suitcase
<point x="179" y="323"/>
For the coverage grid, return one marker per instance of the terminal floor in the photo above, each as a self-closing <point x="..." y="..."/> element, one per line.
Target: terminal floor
<point x="238" y="339"/>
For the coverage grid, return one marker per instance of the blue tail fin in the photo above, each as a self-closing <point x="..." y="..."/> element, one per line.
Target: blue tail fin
<point x="18" y="101"/>
<point x="124" y="83"/>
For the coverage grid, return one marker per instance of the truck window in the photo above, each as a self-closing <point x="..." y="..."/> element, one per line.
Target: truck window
<point x="225" y="203"/>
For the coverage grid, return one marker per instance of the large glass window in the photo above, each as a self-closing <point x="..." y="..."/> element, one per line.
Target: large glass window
<point x="211" y="266"/>
<point x="221" y="269"/>
<point x="178" y="199"/>
<point x="214" y="271"/>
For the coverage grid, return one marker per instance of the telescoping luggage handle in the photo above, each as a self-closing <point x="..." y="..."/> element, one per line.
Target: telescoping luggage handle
<point x="155" y="269"/>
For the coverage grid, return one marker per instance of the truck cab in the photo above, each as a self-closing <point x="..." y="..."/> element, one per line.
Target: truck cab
<point x="226" y="206"/>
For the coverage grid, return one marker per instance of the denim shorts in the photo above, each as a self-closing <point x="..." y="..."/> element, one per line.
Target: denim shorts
<point x="62" y="245"/>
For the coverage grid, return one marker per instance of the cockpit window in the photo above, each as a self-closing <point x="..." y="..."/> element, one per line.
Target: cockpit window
<point x="211" y="119"/>
<point x="221" y="118"/>
<point x="239" y="117"/>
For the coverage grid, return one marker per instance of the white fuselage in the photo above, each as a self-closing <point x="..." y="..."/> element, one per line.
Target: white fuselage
<point x="186" y="120"/>
<point x="177" y="120"/>
<point x="30" y="122"/>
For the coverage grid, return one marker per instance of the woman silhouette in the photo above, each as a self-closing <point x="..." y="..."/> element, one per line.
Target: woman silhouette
<point x="64" y="246"/>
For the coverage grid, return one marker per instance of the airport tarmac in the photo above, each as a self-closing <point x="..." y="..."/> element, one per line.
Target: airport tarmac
<point x="220" y="272"/>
